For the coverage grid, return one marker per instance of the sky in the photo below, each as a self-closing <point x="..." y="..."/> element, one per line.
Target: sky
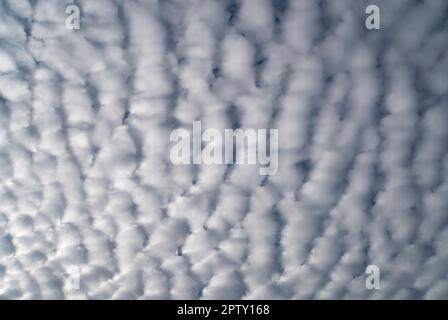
<point x="92" y="206"/>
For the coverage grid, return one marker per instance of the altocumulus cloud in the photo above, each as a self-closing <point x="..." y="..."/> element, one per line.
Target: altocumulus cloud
<point x="86" y="179"/>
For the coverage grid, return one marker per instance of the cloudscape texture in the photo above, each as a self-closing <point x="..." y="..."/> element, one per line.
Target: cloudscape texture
<point x="86" y="179"/>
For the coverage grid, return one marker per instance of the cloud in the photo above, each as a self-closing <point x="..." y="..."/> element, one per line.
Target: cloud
<point x="86" y="179"/>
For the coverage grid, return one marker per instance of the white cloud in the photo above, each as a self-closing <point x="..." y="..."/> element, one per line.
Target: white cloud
<point x="85" y="175"/>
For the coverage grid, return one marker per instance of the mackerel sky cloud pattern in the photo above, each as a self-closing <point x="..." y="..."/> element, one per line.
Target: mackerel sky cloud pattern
<point x="86" y="178"/>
